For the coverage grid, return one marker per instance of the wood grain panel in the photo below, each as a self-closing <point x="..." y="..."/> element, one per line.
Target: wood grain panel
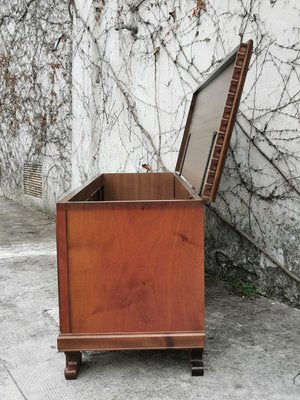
<point x="136" y="267"/>
<point x="62" y="266"/>
<point x="134" y="341"/>
<point x="182" y="190"/>
<point x="85" y="191"/>
<point x="135" y="186"/>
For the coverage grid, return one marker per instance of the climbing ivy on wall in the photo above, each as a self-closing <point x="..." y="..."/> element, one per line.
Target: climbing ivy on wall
<point x="35" y="89"/>
<point x="135" y="67"/>
<point x="147" y="59"/>
<point x="144" y="59"/>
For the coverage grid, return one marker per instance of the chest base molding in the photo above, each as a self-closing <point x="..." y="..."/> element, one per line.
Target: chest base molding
<point x="130" y="341"/>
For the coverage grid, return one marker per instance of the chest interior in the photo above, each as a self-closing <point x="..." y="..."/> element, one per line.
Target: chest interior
<point x="136" y="187"/>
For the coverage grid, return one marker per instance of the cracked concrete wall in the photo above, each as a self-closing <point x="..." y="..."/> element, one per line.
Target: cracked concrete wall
<point x="35" y="102"/>
<point x="135" y="67"/>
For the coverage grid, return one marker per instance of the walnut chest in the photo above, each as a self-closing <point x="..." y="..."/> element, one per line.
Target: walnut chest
<point x="131" y="246"/>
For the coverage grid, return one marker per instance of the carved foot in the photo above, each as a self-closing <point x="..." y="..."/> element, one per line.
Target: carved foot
<point x="197" y="367"/>
<point x="73" y="362"/>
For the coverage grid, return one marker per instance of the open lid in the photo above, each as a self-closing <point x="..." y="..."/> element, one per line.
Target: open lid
<point x="210" y="122"/>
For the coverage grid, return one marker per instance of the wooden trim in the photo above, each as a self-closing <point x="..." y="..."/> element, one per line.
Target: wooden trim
<point x="192" y="192"/>
<point x="89" y="205"/>
<point x="62" y="266"/>
<point x="218" y="155"/>
<point x="143" y="202"/>
<point x="84" y="191"/>
<point x="130" y="341"/>
<point x="185" y="138"/>
<point x="136" y="173"/>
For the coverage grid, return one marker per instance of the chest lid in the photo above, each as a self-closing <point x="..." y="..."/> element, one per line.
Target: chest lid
<point x="210" y="122"/>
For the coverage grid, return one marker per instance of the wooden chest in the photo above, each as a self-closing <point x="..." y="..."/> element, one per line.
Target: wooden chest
<point x="131" y="246"/>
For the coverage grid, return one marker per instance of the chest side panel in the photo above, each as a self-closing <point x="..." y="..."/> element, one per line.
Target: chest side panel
<point x="136" y="267"/>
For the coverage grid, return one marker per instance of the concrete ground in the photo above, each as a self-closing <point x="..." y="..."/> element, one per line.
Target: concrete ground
<point x="252" y="352"/>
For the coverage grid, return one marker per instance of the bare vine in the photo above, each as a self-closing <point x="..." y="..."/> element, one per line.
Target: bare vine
<point x="135" y="66"/>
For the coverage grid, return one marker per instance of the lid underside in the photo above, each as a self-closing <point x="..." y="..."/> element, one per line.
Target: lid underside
<point x="210" y="121"/>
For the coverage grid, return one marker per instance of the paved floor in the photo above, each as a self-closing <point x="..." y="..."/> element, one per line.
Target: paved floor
<point x="253" y="346"/>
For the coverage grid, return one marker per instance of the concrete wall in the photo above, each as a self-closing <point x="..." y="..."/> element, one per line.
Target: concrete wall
<point x="135" y="66"/>
<point x="35" y="97"/>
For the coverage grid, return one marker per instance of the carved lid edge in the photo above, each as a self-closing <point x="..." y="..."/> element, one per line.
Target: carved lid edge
<point x="241" y="58"/>
<point x="219" y="152"/>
